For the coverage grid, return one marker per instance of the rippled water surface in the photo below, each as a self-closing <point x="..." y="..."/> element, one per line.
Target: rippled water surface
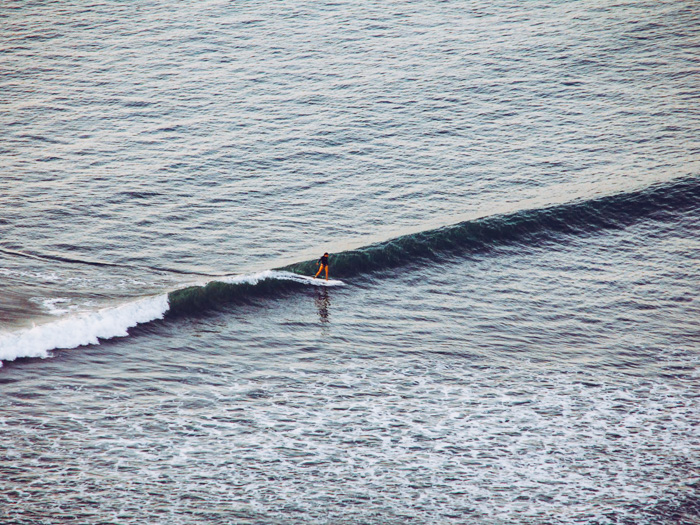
<point x="510" y="195"/>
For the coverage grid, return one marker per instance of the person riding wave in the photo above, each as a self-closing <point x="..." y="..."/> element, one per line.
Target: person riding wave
<point x="323" y="263"/>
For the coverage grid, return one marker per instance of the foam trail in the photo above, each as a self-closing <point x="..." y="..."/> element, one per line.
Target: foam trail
<point x="83" y="329"/>
<point x="279" y="275"/>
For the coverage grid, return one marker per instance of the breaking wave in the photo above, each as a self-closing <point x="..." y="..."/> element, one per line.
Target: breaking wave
<point x="89" y="327"/>
<point x="83" y="329"/>
<point x="526" y="227"/>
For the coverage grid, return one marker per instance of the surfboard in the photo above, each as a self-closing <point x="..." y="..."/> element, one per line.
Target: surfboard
<point x="319" y="281"/>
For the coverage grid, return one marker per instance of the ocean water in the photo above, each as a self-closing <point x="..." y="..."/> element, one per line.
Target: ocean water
<point x="510" y="194"/>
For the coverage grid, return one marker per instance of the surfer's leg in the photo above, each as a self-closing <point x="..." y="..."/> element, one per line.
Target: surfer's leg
<point x="326" y="272"/>
<point x="319" y="271"/>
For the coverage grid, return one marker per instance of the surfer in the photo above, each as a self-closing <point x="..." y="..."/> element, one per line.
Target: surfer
<point x="323" y="263"/>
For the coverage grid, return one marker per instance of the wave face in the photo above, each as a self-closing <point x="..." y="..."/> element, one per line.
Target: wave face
<point x="527" y="226"/>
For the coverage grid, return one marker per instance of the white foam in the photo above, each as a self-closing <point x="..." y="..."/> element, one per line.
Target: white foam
<point x="50" y="305"/>
<point x="280" y="275"/>
<point x="81" y="329"/>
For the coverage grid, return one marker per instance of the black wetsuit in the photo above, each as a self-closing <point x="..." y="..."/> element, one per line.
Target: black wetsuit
<point x="323" y="260"/>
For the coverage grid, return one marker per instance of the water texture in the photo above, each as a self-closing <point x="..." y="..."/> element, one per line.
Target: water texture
<point x="509" y="192"/>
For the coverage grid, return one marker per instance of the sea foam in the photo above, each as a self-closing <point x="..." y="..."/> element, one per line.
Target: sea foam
<point x="81" y="329"/>
<point x="279" y="275"/>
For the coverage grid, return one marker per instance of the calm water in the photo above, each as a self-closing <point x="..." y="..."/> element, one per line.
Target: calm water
<point x="510" y="194"/>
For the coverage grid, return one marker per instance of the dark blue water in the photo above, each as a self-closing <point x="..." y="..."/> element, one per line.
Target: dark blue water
<point x="510" y="196"/>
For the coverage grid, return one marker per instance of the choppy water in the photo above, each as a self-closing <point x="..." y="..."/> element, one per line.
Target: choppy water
<point x="508" y="190"/>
